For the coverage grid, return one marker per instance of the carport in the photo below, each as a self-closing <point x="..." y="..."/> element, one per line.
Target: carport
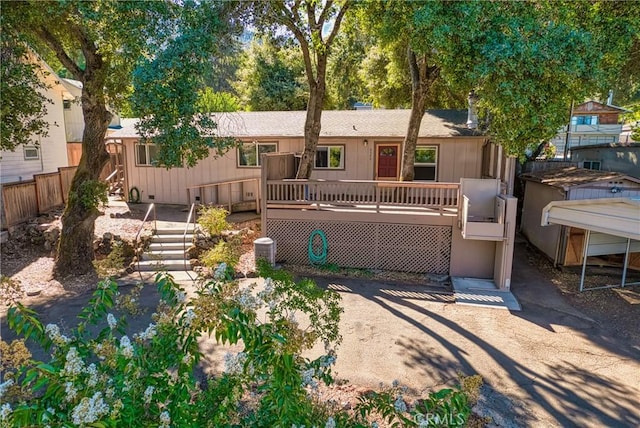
<point x="612" y="226"/>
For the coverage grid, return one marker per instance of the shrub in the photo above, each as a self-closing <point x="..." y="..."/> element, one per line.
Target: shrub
<point x="213" y="220"/>
<point x="223" y="252"/>
<point x="105" y="378"/>
<point x="119" y="258"/>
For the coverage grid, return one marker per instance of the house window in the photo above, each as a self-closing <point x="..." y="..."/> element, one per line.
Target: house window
<point x="146" y="155"/>
<point x="249" y="154"/>
<point x="591" y="165"/>
<point x="31" y="153"/>
<point x="66" y="104"/>
<point x="329" y="157"/>
<point x="426" y="162"/>
<point x="584" y="120"/>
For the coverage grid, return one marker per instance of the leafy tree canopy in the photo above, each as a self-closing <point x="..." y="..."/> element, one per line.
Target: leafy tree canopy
<point x="272" y="77"/>
<point x="23" y="103"/>
<point x="210" y="101"/>
<point x="526" y="60"/>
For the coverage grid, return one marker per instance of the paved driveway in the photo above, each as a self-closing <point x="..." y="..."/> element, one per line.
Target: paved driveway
<point x="547" y="365"/>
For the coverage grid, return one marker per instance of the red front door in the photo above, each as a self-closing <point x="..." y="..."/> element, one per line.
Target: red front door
<point x="387" y="161"/>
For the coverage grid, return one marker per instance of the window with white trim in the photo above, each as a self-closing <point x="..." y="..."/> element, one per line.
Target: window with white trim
<point x="425" y="166"/>
<point x="31" y="153"/>
<point x="329" y="157"/>
<point x="249" y="154"/>
<point x="584" y="120"/>
<point x="146" y="154"/>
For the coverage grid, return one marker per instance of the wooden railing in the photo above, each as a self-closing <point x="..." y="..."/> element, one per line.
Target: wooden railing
<point x="200" y="195"/>
<point x="281" y="193"/>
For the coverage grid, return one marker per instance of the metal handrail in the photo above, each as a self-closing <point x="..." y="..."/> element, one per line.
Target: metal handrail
<point x="155" y="225"/>
<point x="184" y="235"/>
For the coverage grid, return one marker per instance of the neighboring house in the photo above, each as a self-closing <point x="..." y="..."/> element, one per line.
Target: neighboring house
<point x="353" y="145"/>
<point x="74" y="121"/>
<point x="592" y="123"/>
<point x="624" y="158"/>
<point x="50" y="153"/>
<point x="560" y="243"/>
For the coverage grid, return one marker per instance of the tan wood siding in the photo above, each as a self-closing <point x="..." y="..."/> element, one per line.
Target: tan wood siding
<point x="624" y="189"/>
<point x="536" y="197"/>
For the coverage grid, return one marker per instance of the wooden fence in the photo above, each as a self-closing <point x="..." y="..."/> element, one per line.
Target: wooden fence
<point x="25" y="200"/>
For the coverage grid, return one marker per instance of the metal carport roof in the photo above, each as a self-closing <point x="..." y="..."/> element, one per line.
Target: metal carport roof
<point x="612" y="216"/>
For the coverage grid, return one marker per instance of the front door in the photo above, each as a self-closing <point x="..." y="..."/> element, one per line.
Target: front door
<point x="387" y="161"/>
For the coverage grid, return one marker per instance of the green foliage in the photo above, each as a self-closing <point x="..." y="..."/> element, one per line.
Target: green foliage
<point x="271" y="77"/>
<point x="223" y="252"/>
<point x="210" y="101"/>
<point x="91" y="194"/>
<point x="525" y="60"/>
<point x="23" y="106"/>
<point x="166" y="88"/>
<point x="102" y="377"/>
<point x="213" y="220"/>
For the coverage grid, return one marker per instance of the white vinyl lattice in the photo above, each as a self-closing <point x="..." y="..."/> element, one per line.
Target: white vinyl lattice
<point x="400" y="247"/>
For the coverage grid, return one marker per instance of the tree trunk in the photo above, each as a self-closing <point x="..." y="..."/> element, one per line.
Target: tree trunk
<point x="422" y="77"/>
<point x="75" y="250"/>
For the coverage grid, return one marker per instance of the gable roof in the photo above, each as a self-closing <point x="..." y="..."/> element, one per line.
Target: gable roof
<point x="566" y="178"/>
<point x="591" y="106"/>
<point x="335" y="123"/>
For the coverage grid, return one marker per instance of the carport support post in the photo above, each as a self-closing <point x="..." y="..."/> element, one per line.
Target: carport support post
<point x="626" y="262"/>
<point x="584" y="259"/>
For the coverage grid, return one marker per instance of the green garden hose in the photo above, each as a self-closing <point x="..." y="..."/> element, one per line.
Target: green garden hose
<point x="321" y="258"/>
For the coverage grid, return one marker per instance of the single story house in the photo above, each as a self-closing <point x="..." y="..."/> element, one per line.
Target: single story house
<point x="353" y="145"/>
<point x="564" y="244"/>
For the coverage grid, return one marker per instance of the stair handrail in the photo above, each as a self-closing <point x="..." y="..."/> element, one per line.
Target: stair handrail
<point x="184" y="235"/>
<point x="155" y="223"/>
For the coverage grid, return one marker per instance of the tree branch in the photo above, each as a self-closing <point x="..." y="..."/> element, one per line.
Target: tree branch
<point x="338" y="22"/>
<point x="56" y="46"/>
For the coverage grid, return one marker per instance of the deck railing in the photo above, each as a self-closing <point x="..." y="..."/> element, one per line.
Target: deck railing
<point x="319" y="193"/>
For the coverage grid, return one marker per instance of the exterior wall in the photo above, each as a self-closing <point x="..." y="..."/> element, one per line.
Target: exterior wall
<point x="53" y="151"/>
<point x="624" y="159"/>
<point x="471" y="258"/>
<point x="457" y="158"/>
<point x="73" y="118"/>
<point x="625" y="189"/>
<point x="536" y="197"/>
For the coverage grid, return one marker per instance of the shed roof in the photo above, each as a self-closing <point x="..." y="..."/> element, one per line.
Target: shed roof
<point x="613" y="216"/>
<point x="335" y="123"/>
<point x="566" y="178"/>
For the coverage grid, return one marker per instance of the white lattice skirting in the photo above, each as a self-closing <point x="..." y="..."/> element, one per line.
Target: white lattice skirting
<point x="398" y="247"/>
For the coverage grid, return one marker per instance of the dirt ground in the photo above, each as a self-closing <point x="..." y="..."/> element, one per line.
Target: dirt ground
<point x="566" y="360"/>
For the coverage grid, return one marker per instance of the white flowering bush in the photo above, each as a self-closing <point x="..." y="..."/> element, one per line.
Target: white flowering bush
<point x="101" y="375"/>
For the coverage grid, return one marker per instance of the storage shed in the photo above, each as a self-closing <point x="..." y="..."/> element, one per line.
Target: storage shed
<point x="564" y="244"/>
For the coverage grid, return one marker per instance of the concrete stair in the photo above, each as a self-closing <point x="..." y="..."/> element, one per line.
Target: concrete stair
<point x="167" y="250"/>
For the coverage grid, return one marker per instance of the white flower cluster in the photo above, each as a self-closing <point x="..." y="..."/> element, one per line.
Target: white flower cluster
<point x="104" y="284"/>
<point x="4" y="386"/>
<point x="148" y="334"/>
<point x="331" y="423"/>
<point x="92" y="371"/>
<point x="165" y="419"/>
<point x="148" y="393"/>
<point x="189" y="316"/>
<point x="247" y="300"/>
<point x="73" y="364"/>
<point x="125" y="347"/>
<point x="221" y="272"/>
<point x="53" y="331"/>
<point x="268" y="296"/>
<point x="234" y="363"/>
<point x="71" y="391"/>
<point x="400" y="405"/>
<point x="327" y="360"/>
<point x="5" y="411"/>
<point x="307" y="378"/>
<point x="111" y="320"/>
<point x="90" y="410"/>
<point x="181" y="296"/>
